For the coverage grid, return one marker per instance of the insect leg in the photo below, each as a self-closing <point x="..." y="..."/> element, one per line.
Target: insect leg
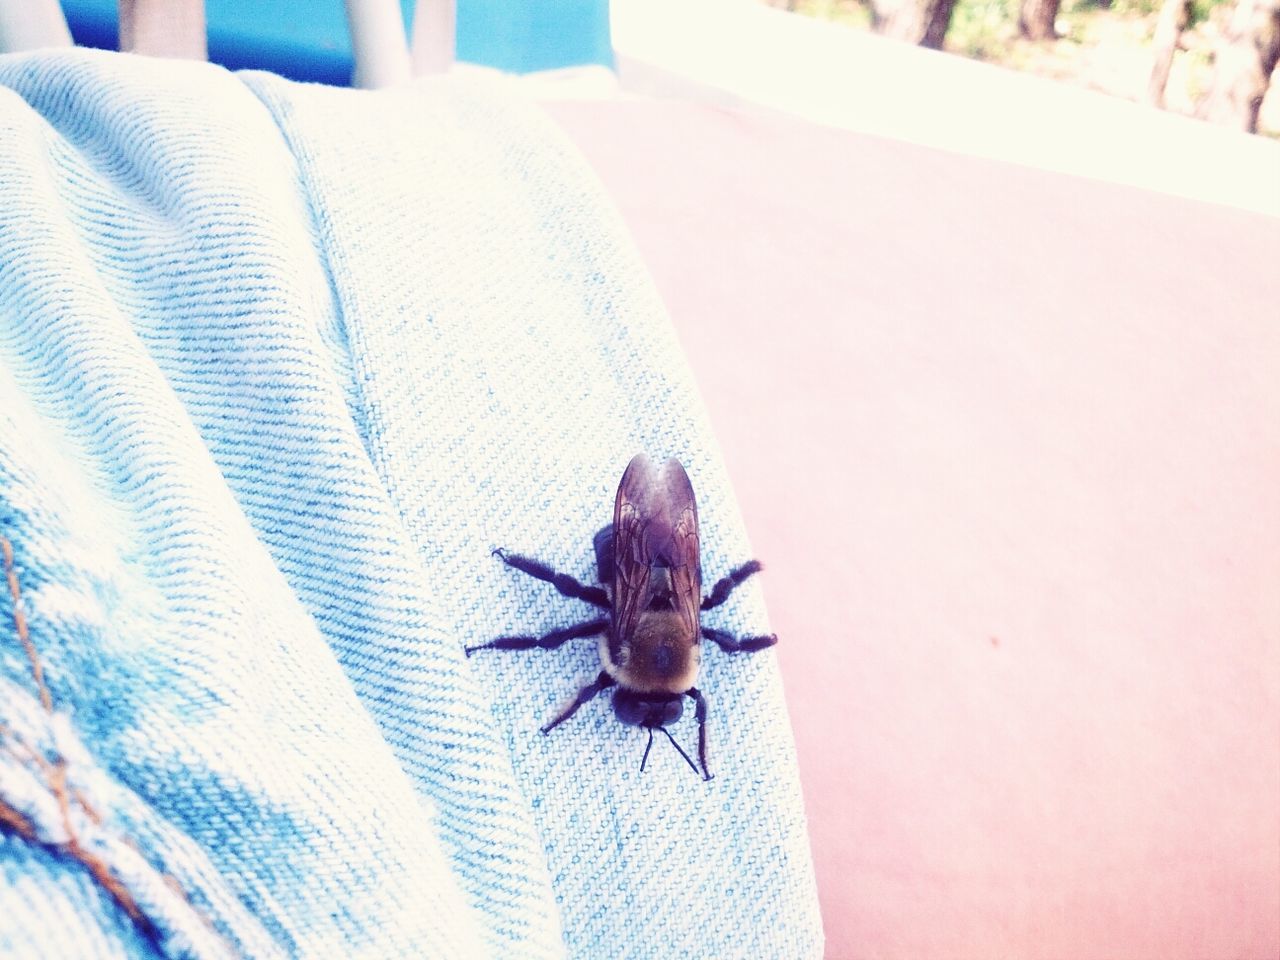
<point x="700" y="713"/>
<point x="731" y="644"/>
<point x="586" y="694"/>
<point x="565" y="584"/>
<point x="726" y="585"/>
<point x="548" y="641"/>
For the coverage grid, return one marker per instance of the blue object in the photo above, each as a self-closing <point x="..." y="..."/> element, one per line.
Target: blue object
<point x="309" y="40"/>
<point x="280" y="365"/>
<point x="521" y="36"/>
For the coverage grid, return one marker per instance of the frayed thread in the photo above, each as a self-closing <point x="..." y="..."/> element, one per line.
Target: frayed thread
<point x="55" y="775"/>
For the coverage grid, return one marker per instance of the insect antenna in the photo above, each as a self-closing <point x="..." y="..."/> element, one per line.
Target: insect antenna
<point x="679" y="749"/>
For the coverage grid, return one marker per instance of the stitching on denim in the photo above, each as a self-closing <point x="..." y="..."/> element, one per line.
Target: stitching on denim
<point x="55" y="774"/>
<point x="20" y="624"/>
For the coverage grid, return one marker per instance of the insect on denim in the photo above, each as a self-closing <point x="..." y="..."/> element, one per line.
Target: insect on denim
<point x="279" y="366"/>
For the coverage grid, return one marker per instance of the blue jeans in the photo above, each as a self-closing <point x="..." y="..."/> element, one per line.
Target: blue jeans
<point x="279" y="367"/>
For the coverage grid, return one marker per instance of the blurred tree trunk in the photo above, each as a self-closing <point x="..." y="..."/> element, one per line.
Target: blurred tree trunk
<point x="1036" y="17"/>
<point x="1244" y="59"/>
<point x="1174" y="15"/>
<point x="922" y="22"/>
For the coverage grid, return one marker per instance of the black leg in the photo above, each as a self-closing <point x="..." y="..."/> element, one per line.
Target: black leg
<point x="731" y="644"/>
<point x="564" y="583"/>
<point x="585" y="695"/>
<point x="726" y="585"/>
<point x="548" y="641"/>
<point x="700" y="713"/>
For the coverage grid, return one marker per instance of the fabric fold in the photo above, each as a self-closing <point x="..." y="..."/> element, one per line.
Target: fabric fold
<point x="279" y="366"/>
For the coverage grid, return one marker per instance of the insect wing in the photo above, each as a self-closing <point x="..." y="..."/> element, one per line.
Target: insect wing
<point x="683" y="555"/>
<point x="655" y="524"/>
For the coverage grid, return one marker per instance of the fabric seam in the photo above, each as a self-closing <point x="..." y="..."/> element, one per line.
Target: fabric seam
<point x="55" y="775"/>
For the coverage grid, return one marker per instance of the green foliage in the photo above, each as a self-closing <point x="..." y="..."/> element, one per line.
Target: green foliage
<point x="1136" y="8"/>
<point x="1201" y="10"/>
<point x="842" y="11"/>
<point x="1077" y="14"/>
<point x="982" y="29"/>
<point x="1199" y="73"/>
<point x="988" y="30"/>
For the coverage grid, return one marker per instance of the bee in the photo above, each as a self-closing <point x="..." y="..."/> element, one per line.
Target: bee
<point x="649" y="565"/>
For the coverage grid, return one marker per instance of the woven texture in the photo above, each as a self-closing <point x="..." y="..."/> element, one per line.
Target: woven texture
<point x="279" y="366"/>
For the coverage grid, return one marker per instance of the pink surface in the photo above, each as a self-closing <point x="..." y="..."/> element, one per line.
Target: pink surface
<point x="1009" y="444"/>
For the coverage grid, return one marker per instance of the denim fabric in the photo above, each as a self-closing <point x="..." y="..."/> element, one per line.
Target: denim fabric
<point x="279" y="366"/>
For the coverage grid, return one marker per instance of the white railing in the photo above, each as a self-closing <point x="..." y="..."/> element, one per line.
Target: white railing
<point x="176" y="28"/>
